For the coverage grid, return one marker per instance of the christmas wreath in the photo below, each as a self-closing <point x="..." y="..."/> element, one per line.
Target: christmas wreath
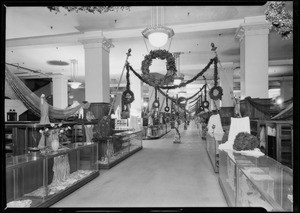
<point x="216" y="93"/>
<point x="127" y="97"/>
<point x="170" y="65"/>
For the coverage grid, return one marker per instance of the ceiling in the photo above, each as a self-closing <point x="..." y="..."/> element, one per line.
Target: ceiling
<point x="35" y="36"/>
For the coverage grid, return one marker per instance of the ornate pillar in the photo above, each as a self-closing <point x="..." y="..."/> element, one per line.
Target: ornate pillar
<point x="253" y="37"/>
<point x="96" y="51"/>
<point x="60" y="91"/>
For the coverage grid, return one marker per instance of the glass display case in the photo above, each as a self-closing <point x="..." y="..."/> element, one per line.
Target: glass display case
<point x="156" y="131"/>
<point x="255" y="182"/>
<point x="118" y="147"/>
<point x="20" y="135"/>
<point x="212" y="150"/>
<point x="40" y="179"/>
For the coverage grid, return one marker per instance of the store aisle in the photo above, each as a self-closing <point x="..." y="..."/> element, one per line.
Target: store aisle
<point x="162" y="174"/>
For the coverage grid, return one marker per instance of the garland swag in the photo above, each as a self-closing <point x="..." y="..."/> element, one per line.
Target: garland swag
<point x="151" y="82"/>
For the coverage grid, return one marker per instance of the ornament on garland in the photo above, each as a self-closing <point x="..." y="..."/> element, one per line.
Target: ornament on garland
<point x="155" y="103"/>
<point x="170" y="65"/>
<point x="216" y="91"/>
<point x="205" y="103"/>
<point x="127" y="95"/>
<point x="167" y="109"/>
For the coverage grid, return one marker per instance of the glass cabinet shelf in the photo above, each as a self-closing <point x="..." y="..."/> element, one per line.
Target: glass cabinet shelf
<point x="41" y="179"/>
<point x="118" y="147"/>
<point x="249" y="181"/>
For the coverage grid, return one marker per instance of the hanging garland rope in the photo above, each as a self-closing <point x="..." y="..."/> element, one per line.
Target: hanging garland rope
<point x="127" y="95"/>
<point x="151" y="83"/>
<point x="205" y="103"/>
<point x="155" y="103"/>
<point x="264" y="108"/>
<point x="216" y="91"/>
<point x="167" y="108"/>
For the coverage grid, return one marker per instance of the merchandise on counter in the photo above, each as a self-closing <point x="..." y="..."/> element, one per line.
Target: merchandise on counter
<point x="57" y="186"/>
<point x="19" y="203"/>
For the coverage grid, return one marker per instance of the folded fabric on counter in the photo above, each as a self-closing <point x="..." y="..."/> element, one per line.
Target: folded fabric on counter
<point x="217" y="131"/>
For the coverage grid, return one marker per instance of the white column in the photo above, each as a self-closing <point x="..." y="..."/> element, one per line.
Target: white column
<point x="96" y="48"/>
<point x="286" y="89"/>
<point x="226" y="82"/>
<point x="60" y="91"/>
<point x="253" y="36"/>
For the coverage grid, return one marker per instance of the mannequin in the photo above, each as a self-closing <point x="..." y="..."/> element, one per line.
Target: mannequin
<point x="44" y="110"/>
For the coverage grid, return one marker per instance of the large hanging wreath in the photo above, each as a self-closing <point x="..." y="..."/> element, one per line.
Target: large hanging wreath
<point x="170" y="65"/>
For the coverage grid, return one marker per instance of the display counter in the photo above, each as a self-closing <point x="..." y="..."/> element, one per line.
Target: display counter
<point x="40" y="179"/>
<point x="213" y="152"/>
<point x="248" y="181"/>
<point x="19" y="135"/>
<point x="114" y="149"/>
<point x="156" y="131"/>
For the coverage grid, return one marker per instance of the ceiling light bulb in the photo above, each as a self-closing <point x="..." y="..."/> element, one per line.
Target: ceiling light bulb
<point x="158" y="39"/>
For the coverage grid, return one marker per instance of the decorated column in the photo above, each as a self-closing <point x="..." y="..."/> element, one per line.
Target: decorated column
<point x="96" y="51"/>
<point x="226" y="82"/>
<point x="60" y="91"/>
<point x="97" y="80"/>
<point x="253" y="37"/>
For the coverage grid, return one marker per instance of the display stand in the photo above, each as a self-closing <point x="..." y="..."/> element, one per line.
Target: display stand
<point x="118" y="147"/>
<point x="248" y="181"/>
<point x="156" y="131"/>
<point x="31" y="180"/>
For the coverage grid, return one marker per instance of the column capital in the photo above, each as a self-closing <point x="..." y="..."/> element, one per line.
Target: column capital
<point x="95" y="40"/>
<point x="257" y="28"/>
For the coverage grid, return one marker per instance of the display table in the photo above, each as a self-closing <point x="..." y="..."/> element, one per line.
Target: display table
<point x="112" y="150"/>
<point x="156" y="131"/>
<point x="41" y="179"/>
<point x="248" y="181"/>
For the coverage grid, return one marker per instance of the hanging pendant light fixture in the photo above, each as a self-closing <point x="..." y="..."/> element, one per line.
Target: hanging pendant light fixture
<point x="74" y="68"/>
<point x="158" y="35"/>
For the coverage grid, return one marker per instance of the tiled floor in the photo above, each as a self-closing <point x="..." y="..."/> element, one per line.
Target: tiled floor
<point x="162" y="174"/>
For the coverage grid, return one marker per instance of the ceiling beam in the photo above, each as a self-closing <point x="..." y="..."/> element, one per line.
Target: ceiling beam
<point x="72" y="38"/>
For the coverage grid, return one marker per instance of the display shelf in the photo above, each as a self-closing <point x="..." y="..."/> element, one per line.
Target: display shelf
<point x="118" y="147"/>
<point x="41" y="179"/>
<point x="248" y="181"/>
<point x="156" y="131"/>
